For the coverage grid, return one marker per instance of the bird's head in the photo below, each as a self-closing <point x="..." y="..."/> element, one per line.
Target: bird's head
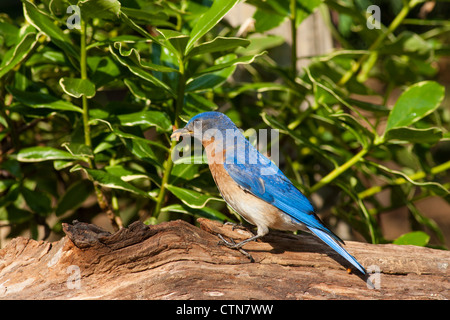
<point x="205" y="126"/>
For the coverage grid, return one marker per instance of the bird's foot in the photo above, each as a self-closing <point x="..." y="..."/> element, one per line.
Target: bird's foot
<point x="233" y="245"/>
<point x="230" y="244"/>
<point x="235" y="225"/>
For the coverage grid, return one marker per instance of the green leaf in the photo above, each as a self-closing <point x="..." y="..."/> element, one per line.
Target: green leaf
<point x="259" y="44"/>
<point x="138" y="91"/>
<point x="430" y="135"/>
<point x="230" y="63"/>
<point x="408" y="43"/>
<point x="267" y="19"/>
<point x="9" y="32"/>
<point x="46" y="24"/>
<point x="126" y="174"/>
<point x="149" y="14"/>
<point x="187" y="171"/>
<point x="104" y="69"/>
<point x="143" y="151"/>
<point x="209" y="19"/>
<point x="261" y="87"/>
<point x="353" y="126"/>
<point x="204" y="212"/>
<point x="77" y="87"/>
<point x="219" y="44"/>
<point x="108" y="180"/>
<point x="123" y="134"/>
<point x="372" y="107"/>
<point x="197" y="103"/>
<point x="190" y="197"/>
<point x="12" y="214"/>
<point x="37" y="201"/>
<point x="125" y="19"/>
<point x="271" y="13"/>
<point x="11" y="195"/>
<point x="304" y="9"/>
<point x="415" y="238"/>
<point x="276" y="124"/>
<point x="214" y="76"/>
<point x="134" y="57"/>
<point x="74" y="196"/>
<point x="148" y="93"/>
<point x="210" y="80"/>
<point x="139" y="146"/>
<point x="18" y="53"/>
<point x="5" y="184"/>
<point x="38" y="154"/>
<point x="177" y="40"/>
<point x="41" y="100"/>
<point x="103" y="9"/>
<point x="435" y="187"/>
<point x="415" y="103"/>
<point x="63" y="164"/>
<point x="148" y="118"/>
<point x="78" y="149"/>
<point x="139" y="70"/>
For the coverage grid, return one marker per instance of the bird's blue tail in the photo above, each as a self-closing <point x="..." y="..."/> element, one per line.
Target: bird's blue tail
<point x="337" y="247"/>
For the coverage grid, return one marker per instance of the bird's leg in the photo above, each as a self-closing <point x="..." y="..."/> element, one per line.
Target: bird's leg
<point x="238" y="246"/>
<point x="227" y="243"/>
<point x="262" y="231"/>
<point x="233" y="245"/>
<point x="235" y="225"/>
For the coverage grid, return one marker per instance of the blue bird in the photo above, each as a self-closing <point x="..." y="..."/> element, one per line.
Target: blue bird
<point x="254" y="186"/>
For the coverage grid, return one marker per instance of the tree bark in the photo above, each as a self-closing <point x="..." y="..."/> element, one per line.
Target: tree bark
<point x="176" y="260"/>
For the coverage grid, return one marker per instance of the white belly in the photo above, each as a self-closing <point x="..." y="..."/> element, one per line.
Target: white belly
<point x="260" y="213"/>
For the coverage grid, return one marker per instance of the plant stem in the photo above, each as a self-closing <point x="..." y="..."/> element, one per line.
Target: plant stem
<point x="83" y="67"/>
<point x="293" y="17"/>
<point x="339" y="170"/>
<point x="180" y="94"/>
<point x="423" y="195"/>
<point x="101" y="198"/>
<point x="416" y="176"/>
<point x="168" y="165"/>
<point x="372" y="57"/>
<point x="15" y="141"/>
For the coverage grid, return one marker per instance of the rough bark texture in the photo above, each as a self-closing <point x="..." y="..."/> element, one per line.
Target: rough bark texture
<point x="176" y="260"/>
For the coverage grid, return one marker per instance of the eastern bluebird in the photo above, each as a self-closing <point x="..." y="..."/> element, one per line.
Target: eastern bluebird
<point x="254" y="186"/>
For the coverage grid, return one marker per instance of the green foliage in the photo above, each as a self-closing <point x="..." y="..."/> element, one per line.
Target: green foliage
<point x="416" y="238"/>
<point x="416" y="102"/>
<point x="87" y="112"/>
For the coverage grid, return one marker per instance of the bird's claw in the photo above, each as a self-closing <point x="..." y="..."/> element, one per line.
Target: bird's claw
<point x="230" y="244"/>
<point x="233" y="245"/>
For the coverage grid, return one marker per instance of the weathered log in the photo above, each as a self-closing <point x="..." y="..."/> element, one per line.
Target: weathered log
<point x="176" y="260"/>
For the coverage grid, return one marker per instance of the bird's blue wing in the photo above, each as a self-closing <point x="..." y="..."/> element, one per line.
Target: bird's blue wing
<point x="259" y="176"/>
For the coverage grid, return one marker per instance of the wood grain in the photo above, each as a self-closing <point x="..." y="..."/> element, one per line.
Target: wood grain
<point x="176" y="260"/>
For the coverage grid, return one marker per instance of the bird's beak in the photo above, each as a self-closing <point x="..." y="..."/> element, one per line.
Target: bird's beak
<point x="180" y="132"/>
